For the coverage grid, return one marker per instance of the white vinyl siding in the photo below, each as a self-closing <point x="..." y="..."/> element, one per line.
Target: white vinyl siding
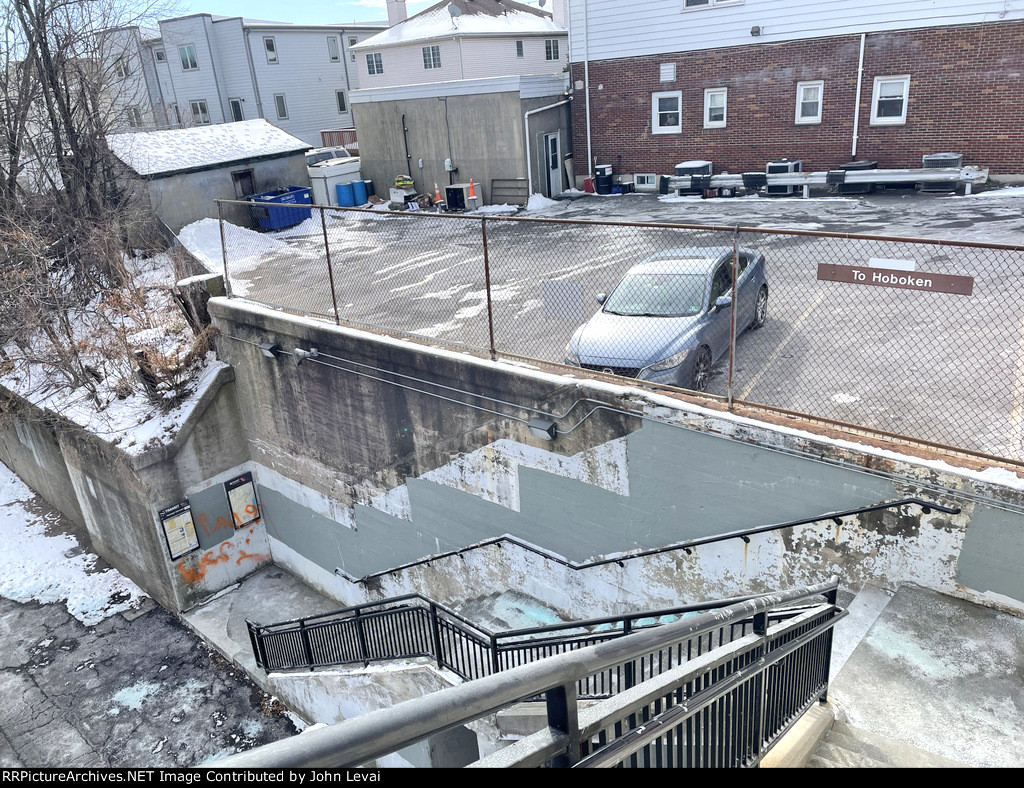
<point x="333" y="49"/>
<point x="189" y="62"/>
<point x="809" y="97"/>
<point x="715" y="100"/>
<point x="667" y="112"/>
<point x="432" y="57"/>
<point x="374" y="63"/>
<point x="889" y="101"/>
<point x="281" y="106"/>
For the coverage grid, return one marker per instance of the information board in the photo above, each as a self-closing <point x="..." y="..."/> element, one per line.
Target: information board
<point x="179" y="530"/>
<point x="242" y="499"/>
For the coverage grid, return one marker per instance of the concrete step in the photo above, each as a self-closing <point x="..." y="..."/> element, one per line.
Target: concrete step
<point x="894" y="753"/>
<point x="839" y="757"/>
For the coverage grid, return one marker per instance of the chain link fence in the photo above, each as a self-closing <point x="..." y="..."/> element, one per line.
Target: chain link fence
<point x="914" y="337"/>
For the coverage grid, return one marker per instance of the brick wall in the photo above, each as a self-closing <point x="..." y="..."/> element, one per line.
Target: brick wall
<point x="966" y="96"/>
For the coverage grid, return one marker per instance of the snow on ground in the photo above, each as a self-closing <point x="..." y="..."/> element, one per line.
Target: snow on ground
<point x="50" y="569"/>
<point x="503" y="208"/>
<point x="539" y="202"/>
<point x="1009" y="191"/>
<point x="246" y="248"/>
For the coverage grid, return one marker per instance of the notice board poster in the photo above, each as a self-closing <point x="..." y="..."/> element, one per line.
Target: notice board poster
<point x="242" y="499"/>
<point x="179" y="530"/>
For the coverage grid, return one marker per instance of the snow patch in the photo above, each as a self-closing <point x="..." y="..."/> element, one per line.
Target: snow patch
<point x="539" y="202"/>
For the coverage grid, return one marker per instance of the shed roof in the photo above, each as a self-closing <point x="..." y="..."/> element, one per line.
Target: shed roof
<point x="177" y="150"/>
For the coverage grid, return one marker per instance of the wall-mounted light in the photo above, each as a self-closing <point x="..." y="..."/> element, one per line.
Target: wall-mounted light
<point x="545" y="429"/>
<point x="755" y="30"/>
<point x="301" y="355"/>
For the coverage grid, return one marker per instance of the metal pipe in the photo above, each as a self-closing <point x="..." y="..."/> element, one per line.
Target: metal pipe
<point x="529" y="159"/>
<point x="586" y="87"/>
<point x="856" y="103"/>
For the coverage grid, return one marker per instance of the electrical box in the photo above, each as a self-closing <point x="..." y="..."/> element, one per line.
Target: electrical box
<point x="448" y="166"/>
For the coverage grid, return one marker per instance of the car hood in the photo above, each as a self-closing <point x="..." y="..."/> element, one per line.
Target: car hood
<point x="630" y="341"/>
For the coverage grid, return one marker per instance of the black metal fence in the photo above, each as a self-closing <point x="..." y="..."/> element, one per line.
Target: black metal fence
<point x="413" y="626"/>
<point x="914" y="337"/>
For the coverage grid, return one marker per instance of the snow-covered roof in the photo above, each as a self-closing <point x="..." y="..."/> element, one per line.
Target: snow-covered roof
<point x="478" y="18"/>
<point x="176" y="150"/>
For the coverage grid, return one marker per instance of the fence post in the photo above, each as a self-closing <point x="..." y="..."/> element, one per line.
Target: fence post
<point x="223" y="248"/>
<point x="495" y="662"/>
<point x="254" y="639"/>
<point x="830" y="597"/>
<point x="732" y="310"/>
<point x="330" y="267"/>
<point x="487" y="283"/>
<point x="563" y="717"/>
<point x="435" y="631"/>
<point x="629" y="669"/>
<point x="306" y="649"/>
<point x="362" y="640"/>
<point x="760" y="692"/>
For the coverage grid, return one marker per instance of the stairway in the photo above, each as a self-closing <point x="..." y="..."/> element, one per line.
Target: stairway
<point x="847" y="747"/>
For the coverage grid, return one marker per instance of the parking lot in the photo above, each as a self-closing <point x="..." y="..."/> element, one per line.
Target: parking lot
<point x="932" y="365"/>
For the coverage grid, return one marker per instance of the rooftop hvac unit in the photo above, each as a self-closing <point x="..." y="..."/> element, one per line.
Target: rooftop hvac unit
<point x="779" y="167"/>
<point x="695" y="167"/>
<point x="935" y="161"/>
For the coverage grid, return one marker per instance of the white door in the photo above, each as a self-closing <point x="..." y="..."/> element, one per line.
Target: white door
<point x="553" y="164"/>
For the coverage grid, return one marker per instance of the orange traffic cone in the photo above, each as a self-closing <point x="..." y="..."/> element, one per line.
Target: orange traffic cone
<point x="437" y="194"/>
<point x="472" y="190"/>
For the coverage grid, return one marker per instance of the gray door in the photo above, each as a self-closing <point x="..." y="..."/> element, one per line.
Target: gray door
<point x="552" y="164"/>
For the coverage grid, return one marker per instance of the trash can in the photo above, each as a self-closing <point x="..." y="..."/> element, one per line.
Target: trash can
<point x="280" y="208"/>
<point x="359" y="191"/>
<point x="346" y="195"/>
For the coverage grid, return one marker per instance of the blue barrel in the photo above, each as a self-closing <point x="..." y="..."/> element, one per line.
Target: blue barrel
<point x="346" y="195"/>
<point x="359" y="191"/>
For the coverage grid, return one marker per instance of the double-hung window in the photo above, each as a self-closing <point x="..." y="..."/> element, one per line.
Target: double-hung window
<point x="889" y="101"/>
<point x="374" y="63"/>
<point x="551" y="49"/>
<point x="666" y="112"/>
<point x="715" y="100"/>
<point x="808" y="101"/>
<point x="200" y="112"/>
<point x="432" y="57"/>
<point x="187" y="54"/>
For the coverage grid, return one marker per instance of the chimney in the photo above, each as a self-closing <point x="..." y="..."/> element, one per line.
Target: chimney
<point x="560" y="12"/>
<point x="397" y="12"/>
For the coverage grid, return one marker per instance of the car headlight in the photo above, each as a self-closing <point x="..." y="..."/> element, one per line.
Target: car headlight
<point x="671" y="361"/>
<point x="571" y="358"/>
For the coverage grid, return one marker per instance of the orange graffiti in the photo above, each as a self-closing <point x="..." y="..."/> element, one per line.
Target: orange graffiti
<point x="194" y="575"/>
<point x="202" y="521"/>
<point x="242" y="556"/>
<point x="223" y="523"/>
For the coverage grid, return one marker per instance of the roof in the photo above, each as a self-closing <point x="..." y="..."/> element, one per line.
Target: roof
<point x="478" y="18"/>
<point x="178" y="150"/>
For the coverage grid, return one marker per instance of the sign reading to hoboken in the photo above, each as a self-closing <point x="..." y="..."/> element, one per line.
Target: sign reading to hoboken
<point x="903" y="280"/>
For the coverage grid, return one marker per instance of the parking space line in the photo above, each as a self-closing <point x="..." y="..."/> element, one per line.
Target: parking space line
<point x="775" y="354"/>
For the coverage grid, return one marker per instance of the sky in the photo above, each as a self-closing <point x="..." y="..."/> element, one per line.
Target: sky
<point x="319" y="12"/>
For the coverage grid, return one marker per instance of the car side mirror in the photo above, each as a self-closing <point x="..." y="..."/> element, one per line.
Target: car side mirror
<point x="723" y="302"/>
<point x="602" y="297"/>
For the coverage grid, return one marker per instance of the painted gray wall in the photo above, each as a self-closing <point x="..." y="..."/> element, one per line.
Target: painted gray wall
<point x="992" y="557"/>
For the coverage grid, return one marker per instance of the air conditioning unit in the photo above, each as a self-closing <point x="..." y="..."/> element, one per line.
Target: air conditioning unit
<point x="937" y="161"/>
<point x="456" y="197"/>
<point x="780" y="167"/>
<point x="695" y="167"/>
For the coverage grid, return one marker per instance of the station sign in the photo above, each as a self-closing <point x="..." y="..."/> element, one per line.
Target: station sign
<point x="179" y="530"/>
<point x="896" y="278"/>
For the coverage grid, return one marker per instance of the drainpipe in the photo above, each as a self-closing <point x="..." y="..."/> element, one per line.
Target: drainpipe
<point x="529" y="161"/>
<point x="252" y="70"/>
<point x="856" y="105"/>
<point x="213" y="68"/>
<point x="586" y="87"/>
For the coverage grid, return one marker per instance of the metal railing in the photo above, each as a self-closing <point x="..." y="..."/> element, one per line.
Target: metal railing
<point x="726" y="706"/>
<point x="929" y="362"/>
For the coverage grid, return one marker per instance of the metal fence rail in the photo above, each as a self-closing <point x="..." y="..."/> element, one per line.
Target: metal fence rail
<point x="841" y="338"/>
<point x="724" y="707"/>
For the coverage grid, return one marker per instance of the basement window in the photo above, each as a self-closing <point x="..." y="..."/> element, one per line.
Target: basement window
<point x="889" y="101"/>
<point x="666" y="115"/>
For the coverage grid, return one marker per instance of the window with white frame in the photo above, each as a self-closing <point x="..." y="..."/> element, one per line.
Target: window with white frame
<point x="551" y="49"/>
<point x="270" y="46"/>
<point x="121" y="67"/>
<point x="333" y="49"/>
<point x="666" y="113"/>
<point x="432" y="57"/>
<point x="160" y="55"/>
<point x="889" y="101"/>
<point x="352" y="41"/>
<point x="519" y="49"/>
<point x="715" y="100"/>
<point x="200" y="112"/>
<point x="692" y="5"/>
<point x="645" y="180"/>
<point x="281" y="106"/>
<point x="374" y="63"/>
<point x="342" y="100"/>
<point x="187" y="54"/>
<point x="808" y="101"/>
<point x="134" y="117"/>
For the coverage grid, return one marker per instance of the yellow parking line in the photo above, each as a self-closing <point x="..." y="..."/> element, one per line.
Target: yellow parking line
<point x="782" y="345"/>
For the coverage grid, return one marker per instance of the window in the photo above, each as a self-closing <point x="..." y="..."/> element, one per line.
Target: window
<point x="432" y="57"/>
<point x="551" y="49"/>
<point x="519" y="49"/>
<point x="721" y="284"/>
<point x="134" y="117"/>
<point x="121" y="67"/>
<point x="689" y="5"/>
<point x="808" y="101"/>
<point x="187" y="54"/>
<point x="666" y="117"/>
<point x="200" y="112"/>
<point x="342" y="101"/>
<point x="270" y="45"/>
<point x="236" y="109"/>
<point x="374" y="63"/>
<point x="352" y="41"/>
<point x="667" y="72"/>
<point x="889" y="101"/>
<point x="645" y="181"/>
<point x="333" y="50"/>
<point x="714" y="108"/>
<point x="282" y="107"/>
<point x="160" y="56"/>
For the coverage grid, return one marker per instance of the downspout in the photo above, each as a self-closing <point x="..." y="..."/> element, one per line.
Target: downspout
<point x="586" y="87"/>
<point x="213" y="67"/>
<point x="529" y="162"/>
<point x="252" y="70"/>
<point x="856" y="105"/>
<point x="462" y="63"/>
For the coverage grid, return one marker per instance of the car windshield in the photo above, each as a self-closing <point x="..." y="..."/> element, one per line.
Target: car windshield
<point x="658" y="295"/>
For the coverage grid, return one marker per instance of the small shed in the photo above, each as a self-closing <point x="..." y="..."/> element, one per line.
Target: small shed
<point x="184" y="171"/>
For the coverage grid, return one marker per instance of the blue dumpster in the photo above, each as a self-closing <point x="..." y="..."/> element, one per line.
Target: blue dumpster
<point x="279" y="208"/>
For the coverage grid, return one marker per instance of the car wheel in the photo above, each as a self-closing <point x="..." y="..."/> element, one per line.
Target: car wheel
<point x="760" y="308"/>
<point x="702" y="370"/>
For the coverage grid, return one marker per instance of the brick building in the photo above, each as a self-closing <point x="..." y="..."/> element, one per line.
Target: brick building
<point x="743" y="82"/>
